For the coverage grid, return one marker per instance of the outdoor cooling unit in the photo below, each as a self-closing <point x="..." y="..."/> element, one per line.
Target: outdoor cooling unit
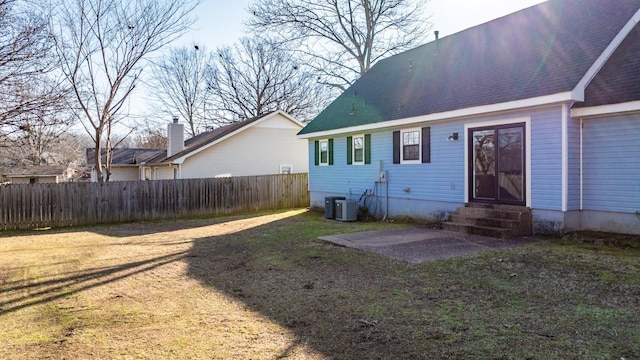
<point x="346" y="210"/>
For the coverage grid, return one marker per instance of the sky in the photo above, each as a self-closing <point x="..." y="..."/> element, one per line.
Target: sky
<point x="220" y="21"/>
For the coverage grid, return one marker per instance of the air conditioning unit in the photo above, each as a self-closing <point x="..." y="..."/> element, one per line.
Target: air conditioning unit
<point x="346" y="210"/>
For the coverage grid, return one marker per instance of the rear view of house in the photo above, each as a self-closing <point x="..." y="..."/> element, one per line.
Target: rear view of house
<point x="538" y="110"/>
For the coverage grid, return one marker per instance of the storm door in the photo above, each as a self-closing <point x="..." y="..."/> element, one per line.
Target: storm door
<point x="497" y="166"/>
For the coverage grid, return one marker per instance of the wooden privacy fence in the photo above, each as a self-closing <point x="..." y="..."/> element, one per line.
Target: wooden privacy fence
<point x="55" y="205"/>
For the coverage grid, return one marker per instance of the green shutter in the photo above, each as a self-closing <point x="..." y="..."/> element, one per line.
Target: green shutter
<point x="317" y="153"/>
<point x="367" y="148"/>
<point x="349" y="150"/>
<point x="330" y="151"/>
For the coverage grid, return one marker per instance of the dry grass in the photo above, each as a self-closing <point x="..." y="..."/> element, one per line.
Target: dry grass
<point x="261" y="287"/>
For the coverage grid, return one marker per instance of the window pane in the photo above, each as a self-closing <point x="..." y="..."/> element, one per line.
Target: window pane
<point x="358" y="149"/>
<point x="411" y="145"/>
<point x="324" y="152"/>
<point x="411" y="152"/>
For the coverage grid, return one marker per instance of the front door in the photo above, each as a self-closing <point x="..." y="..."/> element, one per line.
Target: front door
<point x="497" y="166"/>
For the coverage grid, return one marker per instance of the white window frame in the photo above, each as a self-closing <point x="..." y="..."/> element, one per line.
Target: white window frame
<point x="412" y="161"/>
<point x="326" y="163"/>
<point x="353" y="149"/>
<point x="284" y="167"/>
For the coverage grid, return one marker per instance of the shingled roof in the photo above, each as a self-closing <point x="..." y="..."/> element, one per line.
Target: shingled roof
<point x="133" y="156"/>
<point x="543" y="50"/>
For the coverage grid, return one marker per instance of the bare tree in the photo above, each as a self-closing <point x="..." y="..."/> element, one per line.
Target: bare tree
<point x="104" y="45"/>
<point x="342" y="39"/>
<point x="25" y="61"/>
<point x="255" y="77"/>
<point x="180" y="86"/>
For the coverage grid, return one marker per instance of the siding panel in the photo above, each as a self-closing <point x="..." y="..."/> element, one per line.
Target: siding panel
<point x="611" y="160"/>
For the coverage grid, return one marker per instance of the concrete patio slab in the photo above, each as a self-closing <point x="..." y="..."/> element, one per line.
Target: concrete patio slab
<point x="419" y="244"/>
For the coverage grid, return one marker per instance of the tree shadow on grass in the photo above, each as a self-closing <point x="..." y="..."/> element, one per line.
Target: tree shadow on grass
<point x="341" y="302"/>
<point x="29" y="292"/>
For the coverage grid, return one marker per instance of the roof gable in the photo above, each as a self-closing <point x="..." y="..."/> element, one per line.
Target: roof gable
<point x="539" y="51"/>
<point x="619" y="79"/>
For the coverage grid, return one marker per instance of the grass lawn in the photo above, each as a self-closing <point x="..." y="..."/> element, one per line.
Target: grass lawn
<point x="262" y="287"/>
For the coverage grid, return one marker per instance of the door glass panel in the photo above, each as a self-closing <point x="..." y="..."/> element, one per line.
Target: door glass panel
<point x="484" y="164"/>
<point x="510" y="164"/>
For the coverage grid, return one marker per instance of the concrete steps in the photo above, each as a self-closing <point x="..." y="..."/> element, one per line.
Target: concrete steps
<point x="501" y="221"/>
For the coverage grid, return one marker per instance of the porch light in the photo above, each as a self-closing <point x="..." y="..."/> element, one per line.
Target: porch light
<point x="453" y="137"/>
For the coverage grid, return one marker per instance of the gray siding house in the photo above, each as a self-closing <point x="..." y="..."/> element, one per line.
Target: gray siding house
<point x="539" y="109"/>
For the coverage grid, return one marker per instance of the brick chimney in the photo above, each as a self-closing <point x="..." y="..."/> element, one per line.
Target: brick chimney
<point x="175" y="141"/>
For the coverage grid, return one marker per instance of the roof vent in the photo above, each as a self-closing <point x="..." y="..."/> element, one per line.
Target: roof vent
<point x="437" y="34"/>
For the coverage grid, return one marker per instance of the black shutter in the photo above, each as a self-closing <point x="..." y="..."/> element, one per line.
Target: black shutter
<point x="349" y="150"/>
<point x="396" y="147"/>
<point x="426" y="145"/>
<point x="317" y="152"/>
<point x="367" y="148"/>
<point x="330" y="151"/>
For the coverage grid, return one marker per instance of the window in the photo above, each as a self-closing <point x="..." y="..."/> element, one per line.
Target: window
<point x="359" y="149"/>
<point x="324" y="152"/>
<point x="412" y="146"/>
<point x="286" y="169"/>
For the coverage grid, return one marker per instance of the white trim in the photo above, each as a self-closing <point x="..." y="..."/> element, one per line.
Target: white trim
<point x="631" y="106"/>
<point x="565" y="157"/>
<point x="181" y="159"/>
<point x="581" y="163"/>
<point x="569" y="96"/>
<point x="353" y="149"/>
<point x="402" y="132"/>
<point x="527" y="124"/>
<point x="290" y="166"/>
<point x="320" y="163"/>
<point x="606" y="54"/>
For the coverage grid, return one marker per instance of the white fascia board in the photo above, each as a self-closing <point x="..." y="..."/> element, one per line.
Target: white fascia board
<point x="627" y="107"/>
<point x="606" y="54"/>
<point x="563" y="97"/>
<point x="181" y="159"/>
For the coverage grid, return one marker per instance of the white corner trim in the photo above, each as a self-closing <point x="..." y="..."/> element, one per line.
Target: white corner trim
<point x="563" y="97"/>
<point x="565" y="157"/>
<point x="606" y="54"/>
<point x="631" y="106"/>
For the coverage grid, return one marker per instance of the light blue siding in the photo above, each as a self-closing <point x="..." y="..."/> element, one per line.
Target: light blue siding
<point x="573" y="202"/>
<point x="546" y="159"/>
<point x="611" y="160"/>
<point x="434" y="188"/>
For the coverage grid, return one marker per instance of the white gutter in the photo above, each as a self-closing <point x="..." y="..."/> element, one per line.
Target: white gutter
<point x="631" y="106"/>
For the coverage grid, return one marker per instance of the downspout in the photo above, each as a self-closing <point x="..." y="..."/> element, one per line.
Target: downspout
<point x="565" y="157"/>
<point x="581" y="164"/>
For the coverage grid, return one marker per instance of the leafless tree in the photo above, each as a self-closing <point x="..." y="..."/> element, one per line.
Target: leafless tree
<point x="342" y="39"/>
<point x="25" y="62"/>
<point x="255" y="77"/>
<point x="180" y="86"/>
<point x="104" y="45"/>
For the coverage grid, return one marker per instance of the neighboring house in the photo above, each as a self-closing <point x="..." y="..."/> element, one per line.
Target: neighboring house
<point x="538" y="109"/>
<point x="262" y="145"/>
<point x="36" y="174"/>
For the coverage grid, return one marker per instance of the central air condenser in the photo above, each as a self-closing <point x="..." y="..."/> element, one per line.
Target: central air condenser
<point x="346" y="210"/>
